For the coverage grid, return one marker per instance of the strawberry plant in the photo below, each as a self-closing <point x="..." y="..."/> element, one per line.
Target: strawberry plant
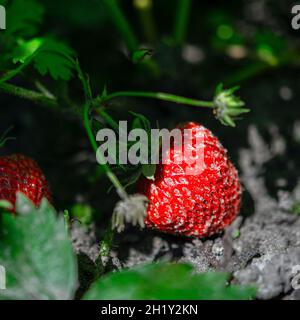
<point x="72" y="70"/>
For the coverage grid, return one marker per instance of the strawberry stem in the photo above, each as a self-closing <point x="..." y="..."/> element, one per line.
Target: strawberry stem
<point x="160" y="96"/>
<point x="111" y="176"/>
<point x="89" y="100"/>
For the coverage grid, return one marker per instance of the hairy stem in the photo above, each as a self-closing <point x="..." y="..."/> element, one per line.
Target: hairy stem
<point x="109" y="233"/>
<point x="89" y="101"/>
<point x="181" y="20"/>
<point x="111" y="176"/>
<point x="33" y="96"/>
<point x="160" y="96"/>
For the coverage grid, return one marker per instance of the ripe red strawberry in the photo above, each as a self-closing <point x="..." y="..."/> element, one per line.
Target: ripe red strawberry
<point x="193" y="205"/>
<point x="21" y="173"/>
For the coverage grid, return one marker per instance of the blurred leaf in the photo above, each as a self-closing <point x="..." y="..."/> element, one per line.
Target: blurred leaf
<point x="26" y="49"/>
<point x="83" y="212"/>
<point x="104" y="92"/>
<point x="5" y="205"/>
<point x="36" y="252"/>
<point x="275" y="42"/>
<point x="218" y="16"/>
<point x="296" y="208"/>
<point x="24" y="17"/>
<point x="76" y="13"/>
<point x="219" y="89"/>
<point x="226" y="33"/>
<point x="166" y="281"/>
<point x="266" y="54"/>
<point x="270" y="47"/>
<point x="141" y="54"/>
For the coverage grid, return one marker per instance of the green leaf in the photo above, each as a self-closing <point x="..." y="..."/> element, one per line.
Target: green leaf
<point x="49" y="55"/>
<point x="144" y="122"/>
<point x="166" y="281"/>
<point x="149" y="170"/>
<point x="232" y="90"/>
<point x="270" y="47"/>
<point x="227" y="121"/>
<point x="219" y="88"/>
<point x="56" y="58"/>
<point x="24" y="17"/>
<point x="104" y="92"/>
<point x="238" y="111"/>
<point x="26" y="49"/>
<point x="136" y="124"/>
<point x="36" y="252"/>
